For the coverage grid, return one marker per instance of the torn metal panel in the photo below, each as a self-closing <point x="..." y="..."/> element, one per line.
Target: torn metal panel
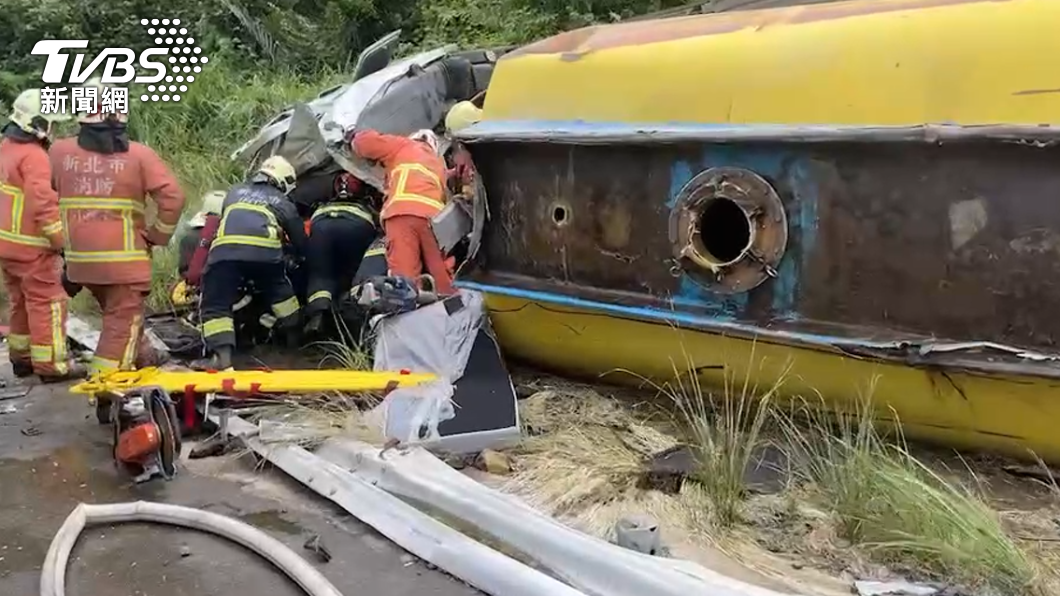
<point x="473" y="404"/>
<point x="423" y="536"/>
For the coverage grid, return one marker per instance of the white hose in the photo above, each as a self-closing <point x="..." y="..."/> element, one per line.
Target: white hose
<point x="53" y="574"/>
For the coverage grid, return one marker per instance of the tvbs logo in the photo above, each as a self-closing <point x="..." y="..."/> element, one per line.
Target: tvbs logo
<point x="176" y="59"/>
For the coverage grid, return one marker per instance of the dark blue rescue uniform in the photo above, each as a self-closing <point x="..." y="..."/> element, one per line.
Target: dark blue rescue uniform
<point x="340" y="234"/>
<point x="258" y="223"/>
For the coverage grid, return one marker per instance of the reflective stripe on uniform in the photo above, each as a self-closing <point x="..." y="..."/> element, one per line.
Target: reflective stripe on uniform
<point x="128" y="356"/>
<point x="400" y="195"/>
<point x="18" y="342"/>
<point x="105" y="256"/>
<point x="165" y="228"/>
<point x="321" y="295"/>
<point x="18" y="207"/>
<point x="218" y="326"/>
<point x="100" y="365"/>
<point x="246" y="241"/>
<point x="127" y="208"/>
<point x="58" y="330"/>
<point x="52" y="228"/>
<point x="375" y="252"/>
<point x="38" y="353"/>
<point x="272" y="241"/>
<point x="285" y="308"/>
<point x="350" y="209"/>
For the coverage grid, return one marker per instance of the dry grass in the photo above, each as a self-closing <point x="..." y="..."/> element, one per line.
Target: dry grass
<point x="857" y="498"/>
<point x="310" y="422"/>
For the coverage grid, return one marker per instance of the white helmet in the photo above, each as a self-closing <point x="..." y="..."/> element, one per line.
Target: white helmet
<point x="212" y="203"/>
<point x="99" y="115"/>
<point x="427" y="137"/>
<point x="461" y="116"/>
<point x="27" y="113"/>
<point x="280" y="171"/>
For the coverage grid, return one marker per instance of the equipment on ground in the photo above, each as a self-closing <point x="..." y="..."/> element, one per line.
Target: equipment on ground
<point x="146" y="433"/>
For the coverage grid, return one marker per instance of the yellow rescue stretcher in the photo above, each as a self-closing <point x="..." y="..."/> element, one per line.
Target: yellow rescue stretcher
<point x="252" y="382"/>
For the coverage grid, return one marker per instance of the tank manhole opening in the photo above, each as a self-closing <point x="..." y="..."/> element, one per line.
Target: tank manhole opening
<point x="560" y="215"/>
<point x="724" y="230"/>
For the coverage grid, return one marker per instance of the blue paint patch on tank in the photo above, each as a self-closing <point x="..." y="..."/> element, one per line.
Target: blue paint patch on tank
<point x="788" y="171"/>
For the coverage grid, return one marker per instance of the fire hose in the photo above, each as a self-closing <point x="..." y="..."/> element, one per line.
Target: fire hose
<point x="53" y="574"/>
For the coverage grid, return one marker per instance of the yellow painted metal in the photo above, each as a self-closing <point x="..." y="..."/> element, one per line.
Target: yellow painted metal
<point x="1009" y="415"/>
<point x="276" y="381"/>
<point x="896" y="62"/>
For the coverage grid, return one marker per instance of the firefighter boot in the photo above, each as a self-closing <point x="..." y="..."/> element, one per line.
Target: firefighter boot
<point x="22" y="369"/>
<point x="291" y="332"/>
<point x="74" y="370"/>
<point x="312" y="326"/>
<point x="221" y="359"/>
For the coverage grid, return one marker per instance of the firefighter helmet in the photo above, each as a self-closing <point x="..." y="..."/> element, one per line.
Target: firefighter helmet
<point x="99" y="115"/>
<point x="28" y="114"/>
<point x="280" y="172"/>
<point x="461" y="116"/>
<point x="426" y="137"/>
<point x="211" y="205"/>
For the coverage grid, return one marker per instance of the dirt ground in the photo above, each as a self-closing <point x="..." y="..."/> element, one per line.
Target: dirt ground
<point x="53" y="455"/>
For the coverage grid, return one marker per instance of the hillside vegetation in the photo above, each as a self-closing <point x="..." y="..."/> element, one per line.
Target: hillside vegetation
<point x="264" y="55"/>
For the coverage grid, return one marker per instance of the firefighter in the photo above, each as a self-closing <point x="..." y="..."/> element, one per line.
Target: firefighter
<point x="340" y="233"/>
<point x="415" y="193"/>
<point x="461" y="176"/>
<point x="31" y="239"/>
<point x="249" y="248"/>
<point x="104" y="179"/>
<point x="195" y="245"/>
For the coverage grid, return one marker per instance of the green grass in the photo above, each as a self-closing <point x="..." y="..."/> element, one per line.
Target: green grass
<point x="897" y="509"/>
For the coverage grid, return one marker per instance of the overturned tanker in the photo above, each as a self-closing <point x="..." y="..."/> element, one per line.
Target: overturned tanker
<point x="846" y="195"/>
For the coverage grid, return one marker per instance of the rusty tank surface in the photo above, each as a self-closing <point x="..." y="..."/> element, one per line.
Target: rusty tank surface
<point x="843" y="195"/>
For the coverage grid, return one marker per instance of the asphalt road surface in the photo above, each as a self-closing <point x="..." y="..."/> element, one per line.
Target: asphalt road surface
<point x="53" y="455"/>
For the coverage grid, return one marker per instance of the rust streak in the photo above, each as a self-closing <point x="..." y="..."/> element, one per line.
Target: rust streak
<point x="574" y="44"/>
<point x="1036" y="91"/>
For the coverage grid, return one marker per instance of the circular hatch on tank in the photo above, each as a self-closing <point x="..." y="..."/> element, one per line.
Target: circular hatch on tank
<point x="728" y="230"/>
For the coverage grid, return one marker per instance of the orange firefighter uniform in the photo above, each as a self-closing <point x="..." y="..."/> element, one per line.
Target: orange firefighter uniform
<point x="415" y="193"/>
<point x="31" y="236"/>
<point x="102" y="189"/>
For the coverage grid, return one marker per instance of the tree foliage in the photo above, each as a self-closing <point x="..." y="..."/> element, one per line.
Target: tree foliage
<point x="294" y="35"/>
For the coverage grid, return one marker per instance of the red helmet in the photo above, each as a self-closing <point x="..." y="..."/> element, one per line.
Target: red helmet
<point x="347" y="185"/>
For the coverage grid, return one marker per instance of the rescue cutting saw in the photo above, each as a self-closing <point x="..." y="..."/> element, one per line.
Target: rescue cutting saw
<point x="147" y="430"/>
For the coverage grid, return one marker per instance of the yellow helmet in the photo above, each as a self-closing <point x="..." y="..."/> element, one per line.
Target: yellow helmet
<point x="182" y="294"/>
<point x="280" y="171"/>
<point x="461" y="116"/>
<point x="99" y="115"/>
<point x="212" y="203"/>
<point x="28" y="113"/>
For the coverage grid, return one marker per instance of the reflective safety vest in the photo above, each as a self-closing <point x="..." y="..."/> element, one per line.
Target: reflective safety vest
<point x="344" y="210"/>
<point x="404" y="201"/>
<point x="103" y="199"/>
<point x="29" y="207"/>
